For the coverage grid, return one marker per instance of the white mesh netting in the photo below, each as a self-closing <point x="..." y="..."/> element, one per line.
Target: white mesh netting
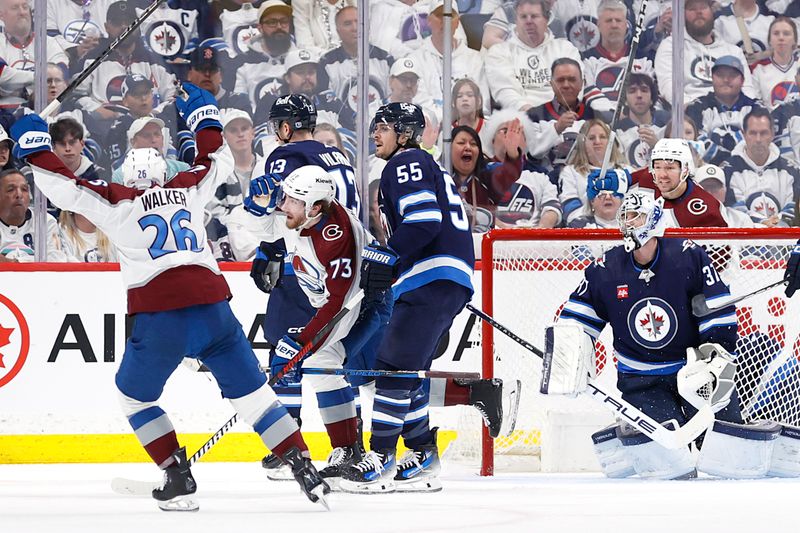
<point x="531" y="280"/>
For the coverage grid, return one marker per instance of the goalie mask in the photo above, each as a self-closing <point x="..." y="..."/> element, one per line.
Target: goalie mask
<point x="143" y="168"/>
<point x="640" y="219"/>
<point x="311" y="184"/>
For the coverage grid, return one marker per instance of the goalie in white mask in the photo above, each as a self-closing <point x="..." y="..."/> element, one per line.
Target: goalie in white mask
<point x="669" y="362"/>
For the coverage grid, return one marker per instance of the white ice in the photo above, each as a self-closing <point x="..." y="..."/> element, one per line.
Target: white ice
<point x="236" y="497"/>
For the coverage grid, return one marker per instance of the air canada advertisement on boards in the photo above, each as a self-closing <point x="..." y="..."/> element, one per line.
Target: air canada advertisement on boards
<point x="62" y="336"/>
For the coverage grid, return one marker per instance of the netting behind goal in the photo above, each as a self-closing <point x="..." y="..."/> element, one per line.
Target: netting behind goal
<point x="528" y="276"/>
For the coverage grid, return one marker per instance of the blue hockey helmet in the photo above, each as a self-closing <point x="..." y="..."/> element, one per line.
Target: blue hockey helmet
<point x="296" y="109"/>
<point x="408" y="119"/>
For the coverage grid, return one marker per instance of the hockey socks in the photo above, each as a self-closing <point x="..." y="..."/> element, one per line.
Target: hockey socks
<point x="155" y="432"/>
<point x="388" y="417"/>
<point x="416" y="429"/>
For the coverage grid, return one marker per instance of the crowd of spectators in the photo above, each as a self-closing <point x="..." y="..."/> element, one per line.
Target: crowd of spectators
<point x="534" y="85"/>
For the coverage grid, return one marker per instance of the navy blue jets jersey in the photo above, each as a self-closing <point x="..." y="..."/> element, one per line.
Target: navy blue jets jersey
<point x="650" y="310"/>
<point x="287" y="158"/>
<point x="425" y="222"/>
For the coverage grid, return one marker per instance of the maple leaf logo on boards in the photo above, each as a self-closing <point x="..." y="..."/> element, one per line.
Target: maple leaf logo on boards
<point x="5" y="340"/>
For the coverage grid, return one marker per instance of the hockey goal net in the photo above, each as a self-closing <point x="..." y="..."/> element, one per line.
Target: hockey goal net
<point x="527" y="276"/>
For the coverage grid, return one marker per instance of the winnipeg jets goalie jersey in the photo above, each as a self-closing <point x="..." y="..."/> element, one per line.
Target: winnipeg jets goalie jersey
<point x="650" y="309"/>
<point x="159" y="232"/>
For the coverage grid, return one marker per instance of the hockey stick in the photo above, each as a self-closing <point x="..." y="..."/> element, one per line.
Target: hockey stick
<point x="612" y="399"/>
<point x="700" y="306"/>
<point x="414" y="374"/>
<point x="130" y="486"/>
<point x="623" y="89"/>
<point x="53" y="106"/>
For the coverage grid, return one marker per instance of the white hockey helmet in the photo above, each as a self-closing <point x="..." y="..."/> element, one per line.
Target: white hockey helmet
<point x="144" y="168"/>
<point x="636" y="231"/>
<point x="674" y="150"/>
<point x="310" y="184"/>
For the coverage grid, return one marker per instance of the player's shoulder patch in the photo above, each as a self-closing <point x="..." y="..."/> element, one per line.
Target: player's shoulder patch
<point x="332" y="232"/>
<point x="688" y="244"/>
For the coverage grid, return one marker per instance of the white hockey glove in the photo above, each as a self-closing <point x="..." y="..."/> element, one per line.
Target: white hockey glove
<point x="707" y="378"/>
<point x="568" y="360"/>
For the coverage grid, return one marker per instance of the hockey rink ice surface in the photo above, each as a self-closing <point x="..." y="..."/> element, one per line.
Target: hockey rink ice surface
<point x="237" y="497"/>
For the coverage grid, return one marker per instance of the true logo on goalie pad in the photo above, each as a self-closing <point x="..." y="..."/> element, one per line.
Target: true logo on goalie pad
<point x="652" y="323"/>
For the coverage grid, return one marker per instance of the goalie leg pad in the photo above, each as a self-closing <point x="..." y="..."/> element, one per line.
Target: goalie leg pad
<point x="614" y="460"/>
<point x="738" y="451"/>
<point x="568" y="360"/>
<point x="786" y="453"/>
<point x="653" y="461"/>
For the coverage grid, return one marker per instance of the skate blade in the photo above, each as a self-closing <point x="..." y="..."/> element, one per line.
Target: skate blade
<point x="283" y="473"/>
<point x="431" y="484"/>
<point x="511" y="408"/>
<point x="333" y="483"/>
<point x="377" y="487"/>
<point x="319" y="493"/>
<point x="180" y="503"/>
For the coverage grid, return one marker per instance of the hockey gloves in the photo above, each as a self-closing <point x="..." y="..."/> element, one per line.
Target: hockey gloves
<point x="378" y="270"/>
<point x="268" y="265"/>
<point x="792" y="275"/>
<point x="286" y="349"/>
<point x="615" y="181"/>
<point x="31" y="135"/>
<point x="198" y="108"/>
<point x="263" y="196"/>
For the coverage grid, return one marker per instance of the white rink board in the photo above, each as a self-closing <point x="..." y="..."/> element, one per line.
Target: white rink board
<point x="60" y="392"/>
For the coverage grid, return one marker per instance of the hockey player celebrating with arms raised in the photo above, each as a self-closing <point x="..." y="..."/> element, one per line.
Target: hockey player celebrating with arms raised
<point x="429" y="251"/>
<point x="175" y="290"/>
<point x="670" y="363"/>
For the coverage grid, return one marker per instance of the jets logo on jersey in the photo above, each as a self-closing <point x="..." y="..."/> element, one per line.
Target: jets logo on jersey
<point x="166" y="39"/>
<point x="268" y="87"/>
<point x="697" y="206"/>
<point x="332" y="232"/>
<point x="374" y="95"/>
<point x="639" y="153"/>
<point x="783" y="91"/>
<point x="76" y="29"/>
<point x="652" y="323"/>
<point x="242" y="37"/>
<point x="763" y="204"/>
<point x="701" y="68"/>
<point x="607" y="79"/>
<point x="114" y="89"/>
<point x="308" y="276"/>
<point x="583" y="32"/>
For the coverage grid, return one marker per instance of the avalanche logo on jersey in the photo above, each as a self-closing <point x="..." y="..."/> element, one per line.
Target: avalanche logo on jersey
<point x="783" y="92"/>
<point x="583" y="32"/>
<point x="308" y="276"/>
<point x="652" y="323"/>
<point x="331" y="232"/>
<point x="165" y="39"/>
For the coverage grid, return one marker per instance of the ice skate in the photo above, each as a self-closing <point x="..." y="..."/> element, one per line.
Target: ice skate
<point x="311" y="483"/>
<point x="418" y="469"/>
<point x="486" y="395"/>
<point x="276" y="469"/>
<point x="374" y="474"/>
<point x="338" y="459"/>
<point x="177" y="490"/>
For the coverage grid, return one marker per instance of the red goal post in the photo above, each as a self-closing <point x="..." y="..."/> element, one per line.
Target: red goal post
<point x="747" y="257"/>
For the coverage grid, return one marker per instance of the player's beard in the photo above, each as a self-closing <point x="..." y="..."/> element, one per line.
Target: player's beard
<point x="278" y="43"/>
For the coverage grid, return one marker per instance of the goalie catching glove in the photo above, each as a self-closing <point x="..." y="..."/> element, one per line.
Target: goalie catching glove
<point x="568" y="360"/>
<point x="267" y="266"/>
<point x="707" y="378"/>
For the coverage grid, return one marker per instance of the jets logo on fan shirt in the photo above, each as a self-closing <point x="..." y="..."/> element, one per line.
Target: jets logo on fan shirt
<point x="652" y="323"/>
<point x="583" y="33"/>
<point x="165" y="39"/>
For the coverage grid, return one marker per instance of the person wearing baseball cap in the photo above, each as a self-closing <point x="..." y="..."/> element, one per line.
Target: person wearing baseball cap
<point x="205" y="71"/>
<point x="701" y="47"/>
<point x="726" y="100"/>
<point x="712" y="179"/>
<point x="275" y="21"/>
<point x="403" y="81"/>
<point x="137" y="95"/>
<point x="149" y="132"/>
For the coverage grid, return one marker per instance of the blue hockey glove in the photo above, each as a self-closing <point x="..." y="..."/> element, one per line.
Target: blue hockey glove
<point x="286" y="349"/>
<point x="31" y="135"/>
<point x="198" y="108"/>
<point x="262" y="198"/>
<point x="792" y="274"/>
<point x="268" y="265"/>
<point x="378" y="270"/>
<point x="615" y="182"/>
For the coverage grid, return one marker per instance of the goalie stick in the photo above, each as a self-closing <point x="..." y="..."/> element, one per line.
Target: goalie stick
<point x="53" y="106"/>
<point x="612" y="399"/>
<point x="140" y="488"/>
<point x="700" y="307"/>
<point x="413" y="374"/>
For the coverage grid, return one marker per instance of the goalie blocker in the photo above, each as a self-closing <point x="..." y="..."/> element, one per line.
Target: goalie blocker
<point x="730" y="449"/>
